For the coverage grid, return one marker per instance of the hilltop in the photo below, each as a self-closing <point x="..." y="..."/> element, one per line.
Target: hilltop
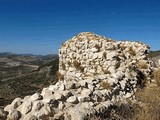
<point x="99" y="78"/>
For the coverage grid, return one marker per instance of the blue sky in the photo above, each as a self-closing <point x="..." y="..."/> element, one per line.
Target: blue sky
<point x="40" y="26"/>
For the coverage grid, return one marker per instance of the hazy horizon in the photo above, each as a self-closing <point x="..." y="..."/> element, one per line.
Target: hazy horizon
<point x="40" y="26"/>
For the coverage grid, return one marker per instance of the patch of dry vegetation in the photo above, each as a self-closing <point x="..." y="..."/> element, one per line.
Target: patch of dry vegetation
<point x="104" y="55"/>
<point x="63" y="66"/>
<point x="98" y="47"/>
<point x="106" y="71"/>
<point x="147" y="107"/>
<point x="81" y="69"/>
<point x="123" y="47"/>
<point x="76" y="64"/>
<point x="119" y="111"/>
<point x="69" y="63"/>
<point x="142" y="64"/>
<point x="150" y="99"/>
<point x="113" y="47"/>
<point x="156" y="76"/>
<point x="105" y="85"/>
<point x="59" y="76"/>
<point x="131" y="51"/>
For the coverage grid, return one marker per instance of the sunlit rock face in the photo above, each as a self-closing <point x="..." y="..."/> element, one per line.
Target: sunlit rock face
<point x="94" y="73"/>
<point x="91" y="57"/>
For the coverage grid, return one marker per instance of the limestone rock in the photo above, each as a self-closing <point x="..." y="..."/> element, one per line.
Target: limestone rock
<point x="46" y="92"/>
<point x="53" y="87"/>
<point x="44" y="113"/>
<point x="26" y="107"/>
<point x="111" y="54"/>
<point x="91" y="87"/>
<point x="72" y="99"/>
<point x="61" y="106"/>
<point x="29" y="117"/>
<point x="62" y="87"/>
<point x="59" y="116"/>
<point x="86" y="92"/>
<point x="14" y="115"/>
<point x="101" y="77"/>
<point x="70" y="85"/>
<point x="16" y="102"/>
<point x="8" y="108"/>
<point x="58" y="96"/>
<point x="37" y="105"/>
<point x="36" y="96"/>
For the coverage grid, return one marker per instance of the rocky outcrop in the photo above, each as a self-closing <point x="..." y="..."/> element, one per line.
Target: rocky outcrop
<point x="94" y="73"/>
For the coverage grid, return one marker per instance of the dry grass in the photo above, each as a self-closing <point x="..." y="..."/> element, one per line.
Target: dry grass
<point x="59" y="76"/>
<point x="106" y="71"/>
<point x="156" y="76"/>
<point x="148" y="110"/>
<point x="150" y="97"/>
<point x="109" y="40"/>
<point x="80" y="39"/>
<point x="148" y="107"/>
<point x="81" y="69"/>
<point x="76" y="64"/>
<point x="113" y="47"/>
<point x="63" y="66"/>
<point x="105" y="85"/>
<point x="104" y="55"/>
<point x="142" y="64"/>
<point x="97" y="47"/>
<point x="123" y="47"/>
<point x="131" y="51"/>
<point x="69" y="63"/>
<point x="119" y="111"/>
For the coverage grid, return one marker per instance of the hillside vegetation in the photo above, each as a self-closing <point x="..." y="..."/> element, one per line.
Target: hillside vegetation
<point x="29" y="80"/>
<point x="13" y="65"/>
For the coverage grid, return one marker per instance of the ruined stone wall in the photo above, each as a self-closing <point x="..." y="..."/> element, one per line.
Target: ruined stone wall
<point x="94" y="73"/>
<point x="90" y="56"/>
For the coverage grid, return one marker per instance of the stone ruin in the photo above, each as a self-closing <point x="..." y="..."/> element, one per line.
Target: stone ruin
<point x="94" y="73"/>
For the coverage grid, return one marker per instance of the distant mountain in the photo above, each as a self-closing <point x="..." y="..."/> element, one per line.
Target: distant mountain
<point x="154" y="54"/>
<point x="27" y="54"/>
<point x="12" y="64"/>
<point x="7" y="54"/>
<point x="49" y="56"/>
